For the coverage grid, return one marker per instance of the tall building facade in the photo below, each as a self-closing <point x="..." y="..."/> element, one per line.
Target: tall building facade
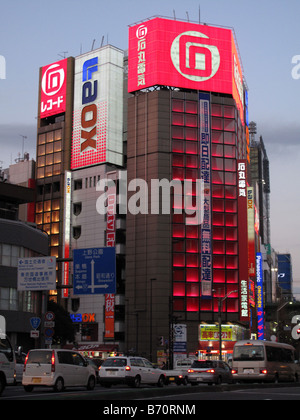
<point x="79" y="143"/>
<point x="187" y="121"/>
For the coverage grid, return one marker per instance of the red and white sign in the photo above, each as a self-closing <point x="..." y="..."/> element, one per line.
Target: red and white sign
<point x="53" y="89"/>
<point x="186" y="55"/>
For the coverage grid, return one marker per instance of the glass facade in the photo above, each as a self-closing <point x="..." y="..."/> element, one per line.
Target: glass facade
<point x="187" y="238"/>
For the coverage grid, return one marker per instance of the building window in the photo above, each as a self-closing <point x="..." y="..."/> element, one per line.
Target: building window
<point x="77" y="207"/>
<point x="76" y="232"/>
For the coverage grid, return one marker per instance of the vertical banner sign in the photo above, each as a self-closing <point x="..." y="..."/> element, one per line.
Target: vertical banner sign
<point x="67" y="229"/>
<point x="251" y="232"/>
<point x="110" y="242"/>
<point x="260" y="297"/>
<point x="53" y="89"/>
<point x="205" y="171"/>
<point x="244" y="308"/>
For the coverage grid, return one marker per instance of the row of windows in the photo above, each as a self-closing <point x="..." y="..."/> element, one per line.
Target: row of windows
<point x="9" y="254"/>
<point x="192" y="246"/>
<point x="192" y="275"/>
<point x="194" y="260"/>
<point x="12" y="300"/>
<point x="50" y="136"/>
<point x="196" y="304"/>
<point x="191" y="107"/>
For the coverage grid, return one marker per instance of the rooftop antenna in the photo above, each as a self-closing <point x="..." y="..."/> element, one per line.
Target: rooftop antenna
<point x="252" y="132"/>
<point x="23" y="137"/>
<point x="63" y="54"/>
<point x="174" y="14"/>
<point x="199" y="15"/>
<point x="102" y="41"/>
<point x="187" y="15"/>
<point x="93" y="45"/>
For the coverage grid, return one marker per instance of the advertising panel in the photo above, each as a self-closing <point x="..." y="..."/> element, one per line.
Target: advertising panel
<point x="211" y="333"/>
<point x="53" y="89"/>
<point x="244" y="308"/>
<point x="205" y="165"/>
<point x="67" y="232"/>
<point x="109" y="312"/>
<point x="285" y="272"/>
<point x="98" y="108"/>
<point x="185" y="55"/>
<point x="260" y="297"/>
<point x="251" y="232"/>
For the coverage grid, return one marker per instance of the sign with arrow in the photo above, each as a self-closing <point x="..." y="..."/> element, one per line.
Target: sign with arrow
<point x="94" y="271"/>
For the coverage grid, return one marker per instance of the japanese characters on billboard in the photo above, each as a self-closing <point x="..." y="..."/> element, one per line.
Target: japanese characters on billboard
<point x="67" y="233"/>
<point x="185" y="55"/>
<point x="251" y="232"/>
<point x="53" y="89"/>
<point x="205" y="165"/>
<point x="98" y="108"/>
<point x="244" y="308"/>
<point x="109" y="312"/>
<point x="260" y="297"/>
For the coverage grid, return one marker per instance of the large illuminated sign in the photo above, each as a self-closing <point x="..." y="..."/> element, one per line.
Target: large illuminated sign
<point x="260" y="297"/>
<point x="67" y="233"/>
<point x="98" y="108"/>
<point x="244" y="307"/>
<point x="184" y="55"/>
<point x="53" y="89"/>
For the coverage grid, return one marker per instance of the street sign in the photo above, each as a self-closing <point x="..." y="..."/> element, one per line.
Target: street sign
<point x="94" y="271"/>
<point x="34" y="334"/>
<point x="48" y="332"/>
<point x="35" y="322"/>
<point x="37" y="273"/>
<point x="49" y="316"/>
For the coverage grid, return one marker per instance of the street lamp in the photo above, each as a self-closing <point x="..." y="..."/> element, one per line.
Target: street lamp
<point x="221" y="300"/>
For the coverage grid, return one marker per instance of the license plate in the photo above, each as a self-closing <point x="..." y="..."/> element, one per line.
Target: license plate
<point x="248" y="370"/>
<point x="111" y="372"/>
<point x="36" y="380"/>
<point x="171" y="379"/>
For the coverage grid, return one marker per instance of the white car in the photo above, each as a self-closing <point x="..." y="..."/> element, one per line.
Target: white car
<point x="58" y="369"/>
<point x="131" y="371"/>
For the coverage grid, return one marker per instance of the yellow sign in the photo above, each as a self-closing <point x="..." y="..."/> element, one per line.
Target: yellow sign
<point x="211" y="333"/>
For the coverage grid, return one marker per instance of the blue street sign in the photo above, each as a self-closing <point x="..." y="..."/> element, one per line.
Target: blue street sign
<point x="94" y="271"/>
<point x="35" y="322"/>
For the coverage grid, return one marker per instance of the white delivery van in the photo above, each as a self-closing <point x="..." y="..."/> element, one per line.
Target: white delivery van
<point x="7" y="363"/>
<point x="58" y="369"/>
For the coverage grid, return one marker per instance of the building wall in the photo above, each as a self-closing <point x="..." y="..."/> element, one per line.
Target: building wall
<point x="163" y="256"/>
<point x="88" y="230"/>
<point x="18" y="240"/>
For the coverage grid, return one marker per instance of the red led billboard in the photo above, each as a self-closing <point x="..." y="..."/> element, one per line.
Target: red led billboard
<point x="53" y="89"/>
<point x="185" y="55"/>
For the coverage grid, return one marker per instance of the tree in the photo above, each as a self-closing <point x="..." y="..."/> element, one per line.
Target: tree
<point x="64" y="328"/>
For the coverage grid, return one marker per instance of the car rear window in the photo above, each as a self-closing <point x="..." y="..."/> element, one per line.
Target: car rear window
<point x="114" y="362"/>
<point x="42" y="357"/>
<point x="203" y="364"/>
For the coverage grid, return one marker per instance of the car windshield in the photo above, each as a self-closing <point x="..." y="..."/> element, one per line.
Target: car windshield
<point x="203" y="364"/>
<point x="245" y="353"/>
<point x="114" y="362"/>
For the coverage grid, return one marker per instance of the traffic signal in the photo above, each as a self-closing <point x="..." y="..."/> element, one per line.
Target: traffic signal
<point x="161" y="341"/>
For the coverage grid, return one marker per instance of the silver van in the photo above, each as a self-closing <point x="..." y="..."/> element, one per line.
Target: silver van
<point x="58" y="369"/>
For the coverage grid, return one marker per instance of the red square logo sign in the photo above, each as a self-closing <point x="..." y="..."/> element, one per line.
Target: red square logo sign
<point x="184" y="55"/>
<point x="53" y="89"/>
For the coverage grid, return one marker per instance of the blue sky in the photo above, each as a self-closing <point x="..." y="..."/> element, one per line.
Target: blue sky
<point x="34" y="33"/>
